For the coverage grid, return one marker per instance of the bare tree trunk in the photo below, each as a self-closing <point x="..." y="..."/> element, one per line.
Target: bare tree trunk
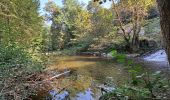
<point x="136" y="21"/>
<point x="126" y="35"/>
<point x="164" y="8"/>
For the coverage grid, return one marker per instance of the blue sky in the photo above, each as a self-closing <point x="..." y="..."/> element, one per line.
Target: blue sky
<point x="59" y="3"/>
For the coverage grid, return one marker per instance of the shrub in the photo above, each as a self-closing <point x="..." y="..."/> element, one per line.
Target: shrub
<point x="142" y="85"/>
<point x="120" y="57"/>
<point x="14" y="59"/>
<point x="15" y="65"/>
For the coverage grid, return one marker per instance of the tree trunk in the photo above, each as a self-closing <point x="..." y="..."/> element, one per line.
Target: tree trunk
<point x="135" y="43"/>
<point x="164" y="8"/>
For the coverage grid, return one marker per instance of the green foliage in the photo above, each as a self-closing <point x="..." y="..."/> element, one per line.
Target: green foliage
<point x="114" y="53"/>
<point x="46" y="40"/>
<point x="101" y="19"/>
<point x="141" y="85"/>
<point x="156" y="87"/>
<point x="25" y="24"/>
<point x="130" y="12"/>
<point x="152" y="26"/>
<point x="151" y="88"/>
<point x="152" y="32"/>
<point x="20" y="45"/>
<point x="16" y="64"/>
<point x="127" y="93"/>
<point x="70" y="23"/>
<point x="73" y="25"/>
<point x="121" y="58"/>
<point x="15" y="60"/>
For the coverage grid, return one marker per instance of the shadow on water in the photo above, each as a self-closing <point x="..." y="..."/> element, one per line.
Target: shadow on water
<point x="88" y="73"/>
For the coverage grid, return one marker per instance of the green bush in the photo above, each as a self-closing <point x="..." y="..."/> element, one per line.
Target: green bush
<point x="14" y="59"/>
<point x="149" y="87"/>
<point x="15" y="65"/>
<point x="114" y="53"/>
<point x="121" y="58"/>
<point x="142" y="85"/>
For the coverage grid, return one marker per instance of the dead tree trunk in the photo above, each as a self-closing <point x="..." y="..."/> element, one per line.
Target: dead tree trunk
<point x="164" y="8"/>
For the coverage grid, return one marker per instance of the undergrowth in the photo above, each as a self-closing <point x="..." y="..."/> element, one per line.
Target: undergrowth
<point x="15" y="65"/>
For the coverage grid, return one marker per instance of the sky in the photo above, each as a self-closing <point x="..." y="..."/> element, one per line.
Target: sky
<point x="59" y="3"/>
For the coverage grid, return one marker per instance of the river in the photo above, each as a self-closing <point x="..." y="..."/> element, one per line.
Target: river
<point x="88" y="75"/>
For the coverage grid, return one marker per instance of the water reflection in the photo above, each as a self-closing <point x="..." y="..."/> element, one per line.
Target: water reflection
<point x="95" y="67"/>
<point x="88" y="74"/>
<point x="87" y="95"/>
<point x="54" y="95"/>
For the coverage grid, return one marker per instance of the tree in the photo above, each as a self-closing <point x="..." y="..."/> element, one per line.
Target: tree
<point x="164" y="9"/>
<point x="130" y="12"/>
<point x="20" y="21"/>
<point x="70" y="23"/>
<point x="20" y="39"/>
<point x="52" y="14"/>
<point x="102" y="19"/>
<point x="77" y="21"/>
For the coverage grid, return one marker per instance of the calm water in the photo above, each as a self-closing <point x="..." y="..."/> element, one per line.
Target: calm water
<point x="88" y="73"/>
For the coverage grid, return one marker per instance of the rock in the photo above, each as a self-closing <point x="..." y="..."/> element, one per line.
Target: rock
<point x="103" y="54"/>
<point x="107" y="55"/>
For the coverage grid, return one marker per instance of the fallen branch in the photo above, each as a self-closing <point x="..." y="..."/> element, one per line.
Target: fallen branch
<point x="58" y="75"/>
